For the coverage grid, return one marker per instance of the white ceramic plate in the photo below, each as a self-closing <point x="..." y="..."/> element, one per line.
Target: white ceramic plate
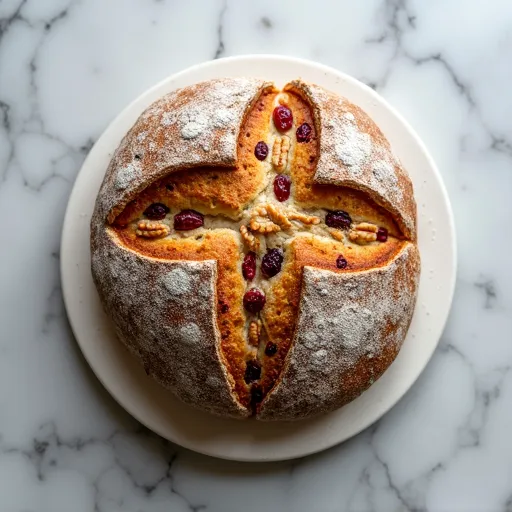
<point x="156" y="407"/>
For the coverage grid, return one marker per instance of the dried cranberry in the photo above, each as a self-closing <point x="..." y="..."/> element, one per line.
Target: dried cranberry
<point x="254" y="300"/>
<point x="271" y="262"/>
<point x="282" y="185"/>
<point x="382" y="234"/>
<point x="252" y="371"/>
<point x="283" y="118"/>
<point x="261" y="150"/>
<point x="338" y="219"/>
<point x="156" y="211"/>
<point x="249" y="266"/>
<point x="256" y="394"/>
<point x="270" y="349"/>
<point x="303" y="133"/>
<point x="341" y="262"/>
<point x="187" y="220"/>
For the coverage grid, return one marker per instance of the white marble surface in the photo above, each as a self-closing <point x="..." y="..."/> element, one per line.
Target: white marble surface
<point x="67" y="68"/>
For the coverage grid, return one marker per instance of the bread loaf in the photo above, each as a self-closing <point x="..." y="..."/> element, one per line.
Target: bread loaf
<point x="256" y="249"/>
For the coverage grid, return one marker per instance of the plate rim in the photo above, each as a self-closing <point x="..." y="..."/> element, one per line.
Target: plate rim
<point x="271" y="58"/>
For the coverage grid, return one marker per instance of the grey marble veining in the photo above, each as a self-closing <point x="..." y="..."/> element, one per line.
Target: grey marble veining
<point x="67" y="67"/>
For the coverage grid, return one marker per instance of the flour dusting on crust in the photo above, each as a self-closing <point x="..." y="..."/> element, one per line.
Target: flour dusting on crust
<point x="354" y="153"/>
<point x="126" y="176"/>
<point x="345" y="338"/>
<point x="353" y="148"/>
<point x="191" y="127"/>
<point x="161" y="318"/>
<point x="177" y="282"/>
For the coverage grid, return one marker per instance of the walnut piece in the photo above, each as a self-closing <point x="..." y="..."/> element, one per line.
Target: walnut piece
<point x="336" y="234"/>
<point x="250" y="240"/>
<point x="254" y="333"/>
<point x="280" y="152"/>
<point x="269" y="218"/>
<point x="152" y="229"/>
<point x="302" y="217"/>
<point x="363" y="233"/>
<point x="283" y="99"/>
<point x="260" y="210"/>
<point x="263" y="227"/>
<point x="277" y="216"/>
<point x="262" y="219"/>
<point x="366" y="226"/>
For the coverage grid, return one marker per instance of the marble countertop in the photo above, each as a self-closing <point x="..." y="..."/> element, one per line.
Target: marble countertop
<point x="67" y="67"/>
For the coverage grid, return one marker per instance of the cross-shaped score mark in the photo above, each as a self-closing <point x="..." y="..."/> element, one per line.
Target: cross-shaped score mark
<point x="284" y="219"/>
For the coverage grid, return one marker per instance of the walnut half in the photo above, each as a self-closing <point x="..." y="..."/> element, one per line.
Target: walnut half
<point x="280" y="152"/>
<point x="250" y="240"/>
<point x="336" y="234"/>
<point x="152" y="229"/>
<point x="305" y="219"/>
<point x="254" y="333"/>
<point x="277" y="216"/>
<point x="363" y="233"/>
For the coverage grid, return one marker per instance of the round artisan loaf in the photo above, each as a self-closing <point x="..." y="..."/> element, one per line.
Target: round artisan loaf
<point x="256" y="248"/>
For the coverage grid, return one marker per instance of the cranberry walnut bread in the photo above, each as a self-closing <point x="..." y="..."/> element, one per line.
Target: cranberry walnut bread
<point x="256" y="248"/>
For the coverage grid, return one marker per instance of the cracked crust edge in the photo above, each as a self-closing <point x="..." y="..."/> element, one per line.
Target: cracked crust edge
<point x="171" y="328"/>
<point x="141" y="158"/>
<point x="320" y="373"/>
<point x="327" y="108"/>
